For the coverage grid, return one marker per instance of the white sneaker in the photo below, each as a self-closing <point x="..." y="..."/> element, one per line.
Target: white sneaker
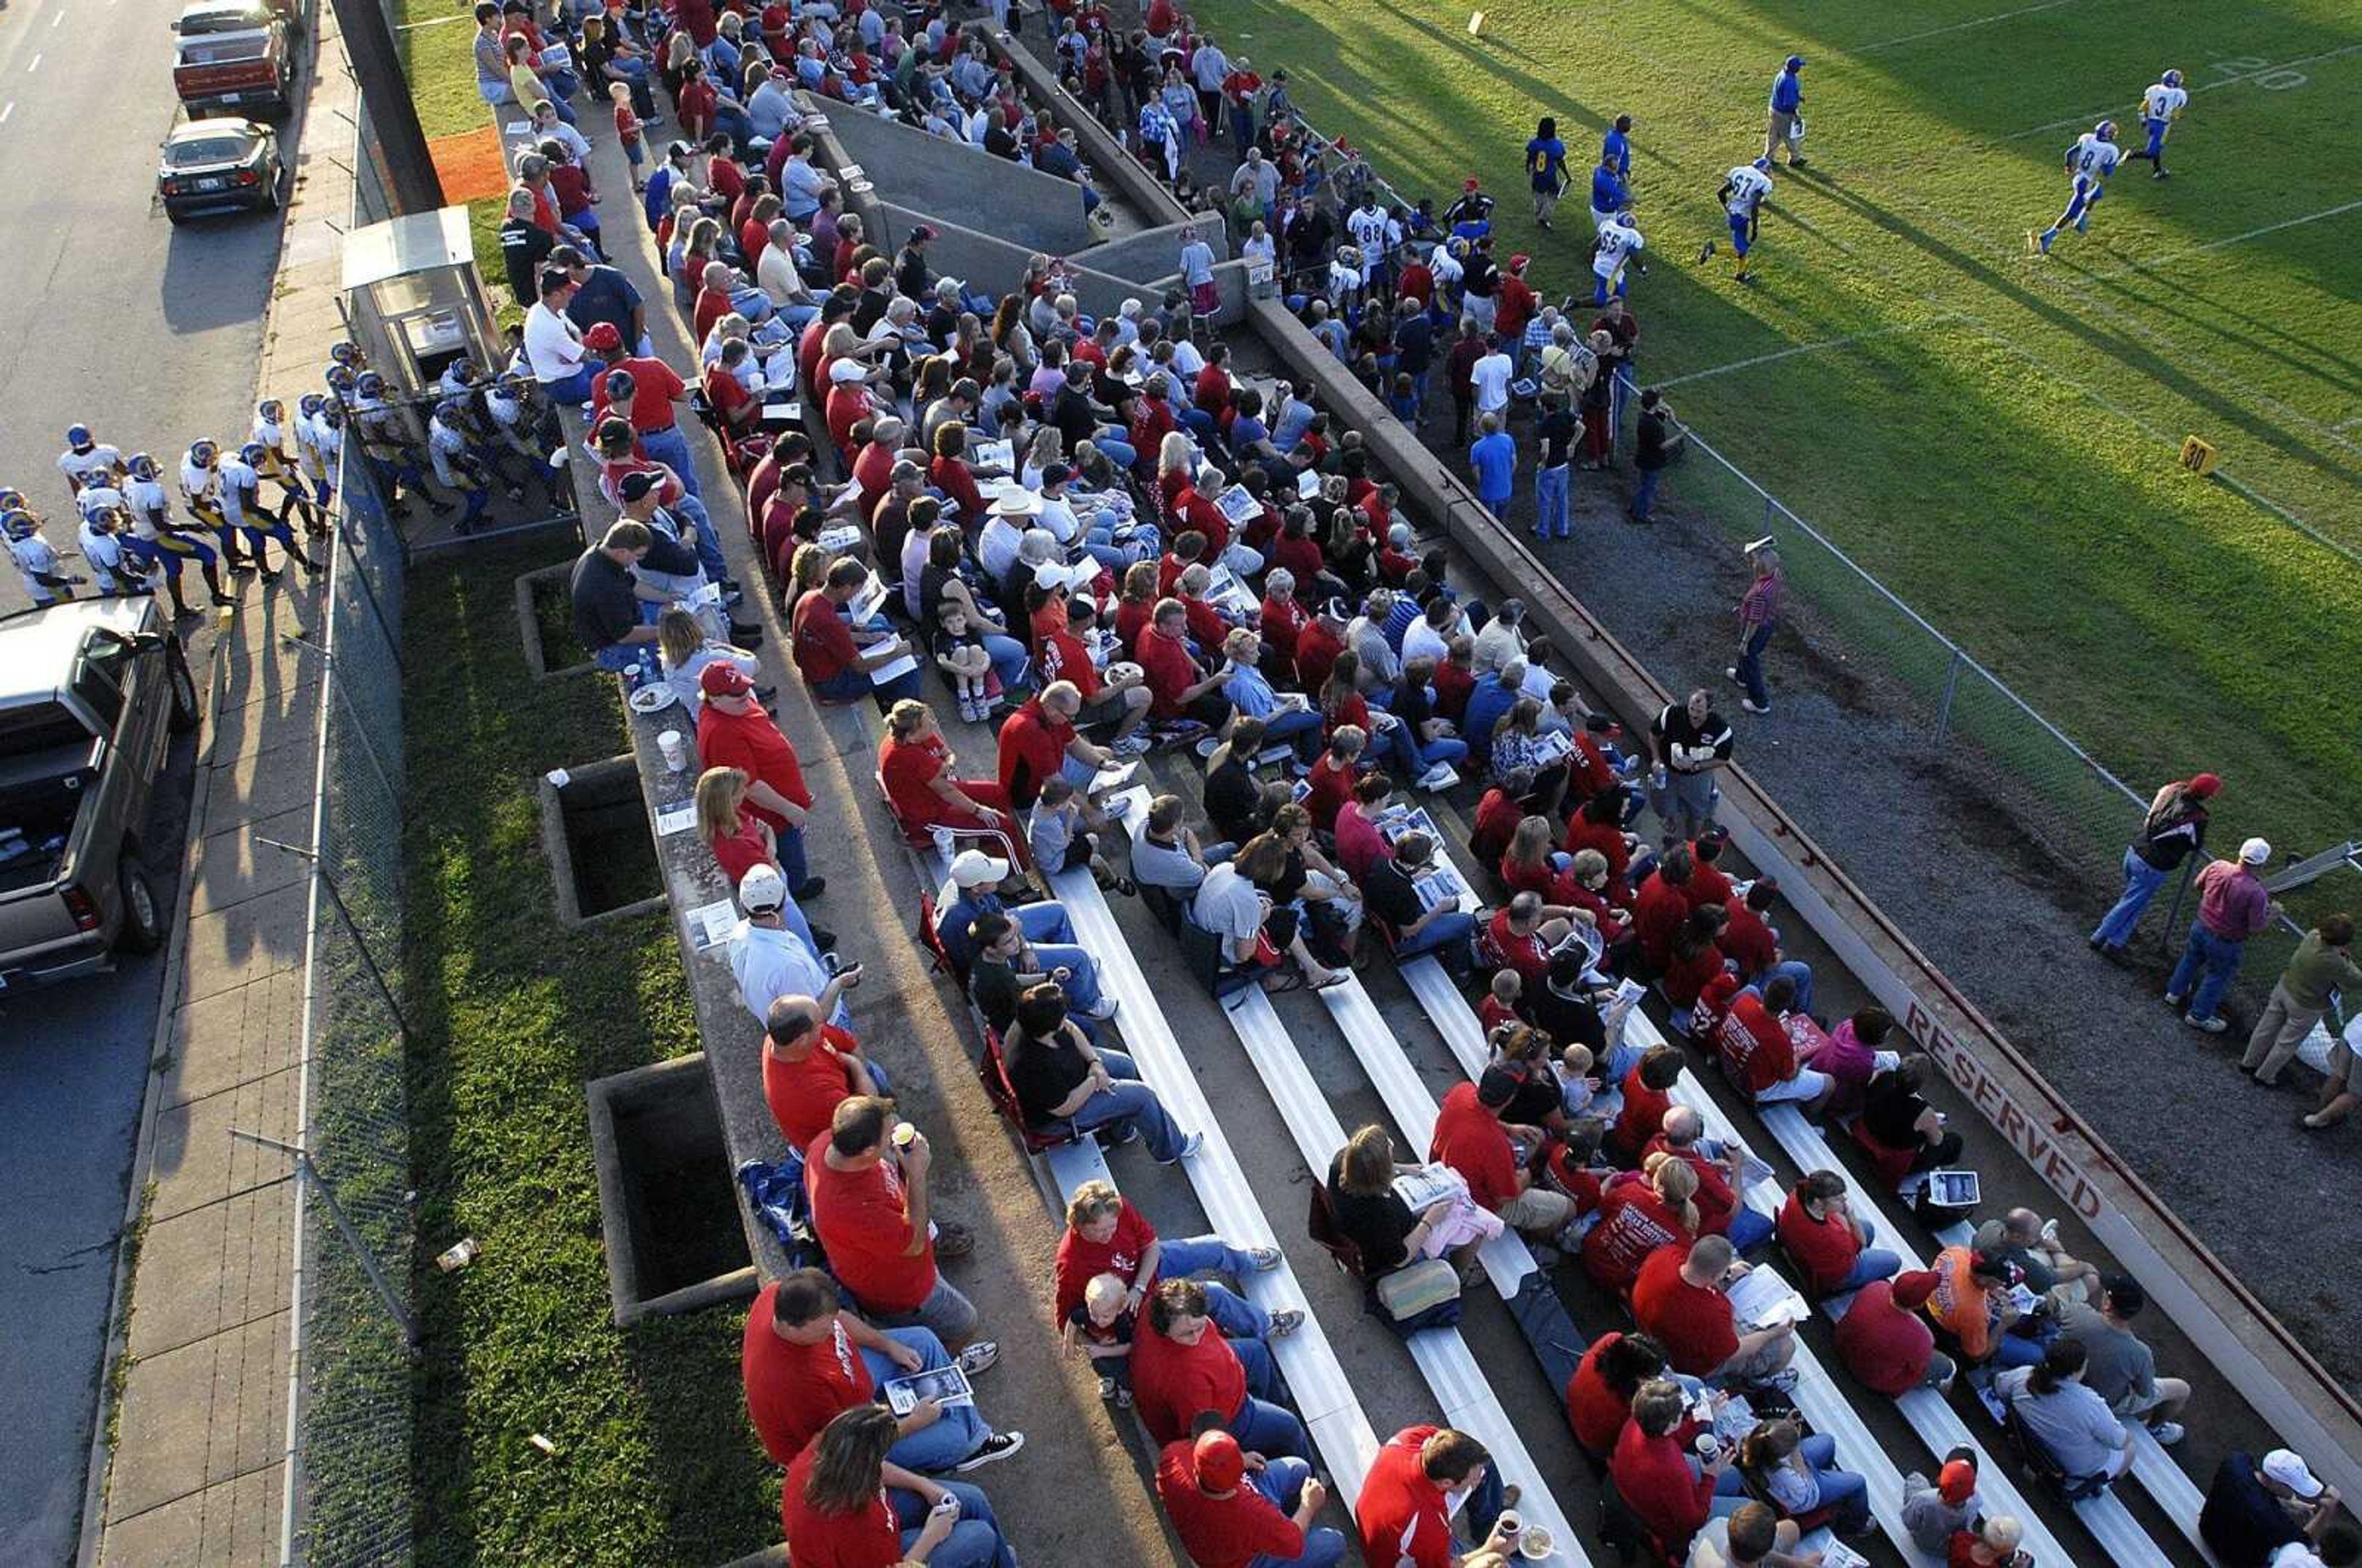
<point x="979" y="1357"/>
<point x="1133" y="744"/>
<point x="1189" y="1147"/>
<point x="1102" y="1009"/>
<point x="1752" y="706"/>
<point x="2168" y="1433"/>
<point x="1117" y="807"/>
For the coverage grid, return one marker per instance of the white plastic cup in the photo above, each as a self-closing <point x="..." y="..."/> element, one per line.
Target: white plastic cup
<point x="675" y="749"/>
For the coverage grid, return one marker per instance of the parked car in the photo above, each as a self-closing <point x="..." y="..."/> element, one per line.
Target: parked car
<point x="91" y="692"/>
<point x="234" y="55"/>
<point x="209" y="165"/>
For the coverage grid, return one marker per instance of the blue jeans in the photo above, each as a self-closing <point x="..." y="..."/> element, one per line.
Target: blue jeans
<point x="575" y="388"/>
<point x="1044" y="922"/>
<point x="1443" y="930"/>
<point x="2218" y="958"/>
<point x="792" y="865"/>
<point x="1293" y="725"/>
<point x="1281" y="1482"/>
<point x="2141" y="882"/>
<point x="1644" y="497"/>
<point x="1749" y="1228"/>
<point x="852" y="685"/>
<point x="1237" y="1316"/>
<point x="958" y="1433"/>
<point x="1131" y="1102"/>
<point x="1800" y="975"/>
<point x="671" y="447"/>
<point x="1550" y="503"/>
<point x="1841" y="1490"/>
<point x="1008" y="657"/>
<point x="973" y="1542"/>
<point x="1751" y="666"/>
<point x="1870" y="1263"/>
<point x="1198" y="422"/>
<point x="1444" y="748"/>
<point x="1261" y="1426"/>
<point x="1118" y="448"/>
<point x="1083" y="990"/>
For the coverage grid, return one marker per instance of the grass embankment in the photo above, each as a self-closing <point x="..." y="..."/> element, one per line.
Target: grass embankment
<point x="1994" y="436"/>
<point x="511" y="1016"/>
<point x="438" y="57"/>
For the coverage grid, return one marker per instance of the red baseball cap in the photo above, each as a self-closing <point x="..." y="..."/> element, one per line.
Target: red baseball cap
<point x="1911" y="1287"/>
<point x="1469" y="183"/>
<point x="602" y="338"/>
<point x="722" y="679"/>
<point x="2206" y="785"/>
<point x="1958" y="1483"/>
<point x="1217" y="1460"/>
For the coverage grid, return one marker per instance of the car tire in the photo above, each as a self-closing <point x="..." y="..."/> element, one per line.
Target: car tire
<point x="185" y="704"/>
<point x="142" y="930"/>
<point x="176" y="216"/>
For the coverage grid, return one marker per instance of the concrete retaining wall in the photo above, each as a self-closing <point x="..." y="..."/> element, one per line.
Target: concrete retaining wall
<point x="1117" y="173"/>
<point x="1154" y="253"/>
<point x="994" y="265"/>
<point x="962" y="184"/>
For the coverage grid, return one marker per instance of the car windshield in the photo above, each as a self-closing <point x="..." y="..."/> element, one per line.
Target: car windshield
<point x="203" y="149"/>
<point x="226" y="19"/>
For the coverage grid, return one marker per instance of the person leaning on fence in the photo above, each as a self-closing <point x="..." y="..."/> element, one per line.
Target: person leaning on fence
<point x="2323" y="964"/>
<point x="2232" y="906"/>
<point x="2175" y="825"/>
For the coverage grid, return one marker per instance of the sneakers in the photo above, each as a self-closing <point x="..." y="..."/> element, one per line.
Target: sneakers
<point x="1136" y="743"/>
<point x="2174" y="1000"/>
<point x="979" y="1357"/>
<point x="971" y="709"/>
<point x="1752" y="706"/>
<point x="997" y="1447"/>
<point x="1266" y="1259"/>
<point x="1189" y="1146"/>
<point x="1115" y="808"/>
<point x="1731" y="673"/>
<point x="953" y="1239"/>
<point x="1115" y="1394"/>
<point x="1705" y="250"/>
<point x="2210" y="1025"/>
<point x="1102" y="1009"/>
<point x="1440" y="777"/>
<point x="1284" y="1322"/>
<point x="2166" y="1433"/>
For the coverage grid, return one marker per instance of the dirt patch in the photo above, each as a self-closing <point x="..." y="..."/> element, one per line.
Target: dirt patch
<point x="469" y="164"/>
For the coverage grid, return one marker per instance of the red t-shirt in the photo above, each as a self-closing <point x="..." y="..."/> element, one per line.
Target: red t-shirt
<point x="1885" y="1348"/>
<point x="873" y="471"/>
<point x="1032" y="749"/>
<point x="1064" y="658"/>
<point x="1170" y="672"/>
<point x="1470" y="1139"/>
<point x="1658" y="914"/>
<point x="1317" y="649"/>
<point x="1172" y="1384"/>
<point x="1213" y="388"/>
<point x="1685" y="978"/>
<point x="823" y="643"/>
<point x="1654" y="1476"/>
<point x="1642" y="1118"/>
<point x="909" y="768"/>
<point x="1824" y="1249"/>
<point x="1707" y="885"/>
<point x="957" y="482"/>
<point x="697" y="101"/>
<point x="1754" y="1046"/>
<point x="1747" y="941"/>
<point x="654" y="386"/>
<point x="866" y="1539"/>
<point x="847" y="404"/>
<point x="1693" y="1323"/>
<point x="728" y="396"/>
<point x="1131" y="618"/>
<point x="1119" y="1254"/>
<point x="1595" y="1411"/>
<point x="711" y="305"/>
<point x="1221" y="1532"/>
<point x="1328" y="787"/>
<point x="1525" y="953"/>
<point x="803" y="1095"/>
<point x="1633" y="1223"/>
<point x="752" y="742"/>
<point x="1452" y="684"/>
<point x="792" y="1391"/>
<point x="740" y="850"/>
<point x="1402" y="1515"/>
<point x="863" y="1220"/>
<point x="1582" y="833"/>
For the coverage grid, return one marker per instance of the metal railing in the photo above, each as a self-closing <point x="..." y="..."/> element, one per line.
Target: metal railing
<point x="351" y="1408"/>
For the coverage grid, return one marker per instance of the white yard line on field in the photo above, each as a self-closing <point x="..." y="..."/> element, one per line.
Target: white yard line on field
<point x="36" y="65"/>
<point x="2170" y="257"/>
<point x="6" y="112"/>
<point x="1815" y="347"/>
<point x="1956" y="28"/>
<point x="2090" y="115"/>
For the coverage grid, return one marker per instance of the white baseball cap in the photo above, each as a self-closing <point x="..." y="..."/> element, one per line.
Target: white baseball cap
<point x="846" y="370"/>
<point x="2289" y="1468"/>
<point x="971" y="868"/>
<point x="2254" y="852"/>
<point x="762" y="890"/>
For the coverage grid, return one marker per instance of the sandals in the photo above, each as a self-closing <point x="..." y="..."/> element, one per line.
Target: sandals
<point x="1122" y="886"/>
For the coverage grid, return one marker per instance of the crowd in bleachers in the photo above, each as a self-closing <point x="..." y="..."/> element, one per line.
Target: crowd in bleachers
<point x="1107" y="550"/>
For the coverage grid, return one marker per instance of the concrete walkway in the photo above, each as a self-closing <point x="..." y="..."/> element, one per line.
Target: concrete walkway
<point x="197" y="1472"/>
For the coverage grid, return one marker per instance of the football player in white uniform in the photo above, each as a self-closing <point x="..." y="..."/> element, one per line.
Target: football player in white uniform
<point x="2160" y="106"/>
<point x="1741" y="197"/>
<point x="2090" y="162"/>
<point x="1619" y="243"/>
<point x="85" y="461"/>
<point x="44" y="576"/>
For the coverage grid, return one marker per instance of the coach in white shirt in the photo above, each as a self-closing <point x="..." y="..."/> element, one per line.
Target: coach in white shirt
<point x="553" y="343"/>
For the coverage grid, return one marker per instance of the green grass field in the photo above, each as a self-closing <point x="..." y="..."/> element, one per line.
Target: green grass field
<point x="1995" y="437"/>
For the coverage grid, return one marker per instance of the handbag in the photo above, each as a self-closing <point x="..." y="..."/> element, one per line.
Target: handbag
<point x="1417" y="1288"/>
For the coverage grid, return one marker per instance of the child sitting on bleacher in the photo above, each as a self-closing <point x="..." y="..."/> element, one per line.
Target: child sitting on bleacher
<point x="1500" y="1003"/>
<point x="1101" y="1328"/>
<point x="1576" y="1086"/>
<point x="1062" y="840"/>
<point x="960" y="653"/>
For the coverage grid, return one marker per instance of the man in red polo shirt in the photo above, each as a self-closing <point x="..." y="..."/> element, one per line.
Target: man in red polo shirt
<point x="1232" y="1508"/>
<point x="1404" y="1514"/>
<point x="1320" y="642"/>
<point x="804" y="1358"/>
<point x="870" y="1210"/>
<point x="1884" y="1342"/>
<point x="1066" y="656"/>
<point x="1678" y="1299"/>
<point x="1758" y="1056"/>
<point x="1176" y="688"/>
<point x="809" y="1069"/>
<point x="848" y="400"/>
<point x="1830" y="1247"/>
<point x="735" y="731"/>
<point x="838" y="660"/>
<point x="1182" y="1367"/>
<point x="1471" y="1138"/>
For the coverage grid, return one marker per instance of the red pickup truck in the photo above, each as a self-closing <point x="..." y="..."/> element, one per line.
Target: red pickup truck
<point x="235" y="57"/>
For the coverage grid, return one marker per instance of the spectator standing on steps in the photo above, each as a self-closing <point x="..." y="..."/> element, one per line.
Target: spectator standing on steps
<point x="1759" y="616"/>
<point x="1659" y="438"/>
<point x="2232" y="907"/>
<point x="2323" y="963"/>
<point x="1692" y="743"/>
<point x="2175" y="825"/>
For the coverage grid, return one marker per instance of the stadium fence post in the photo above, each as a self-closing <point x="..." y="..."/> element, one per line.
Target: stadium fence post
<point x="1951" y="683"/>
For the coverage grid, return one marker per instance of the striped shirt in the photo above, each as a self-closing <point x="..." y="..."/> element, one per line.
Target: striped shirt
<point x="1761" y="607"/>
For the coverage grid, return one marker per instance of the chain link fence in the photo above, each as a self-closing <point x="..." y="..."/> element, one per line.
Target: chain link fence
<point x="348" y="1495"/>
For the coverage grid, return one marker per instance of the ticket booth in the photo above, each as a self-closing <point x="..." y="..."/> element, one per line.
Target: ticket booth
<point x="415" y="301"/>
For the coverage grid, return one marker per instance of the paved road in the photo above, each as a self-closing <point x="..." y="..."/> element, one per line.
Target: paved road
<point x="150" y="334"/>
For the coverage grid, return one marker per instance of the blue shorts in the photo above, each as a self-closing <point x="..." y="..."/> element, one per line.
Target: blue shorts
<point x="1739" y="240"/>
<point x="2157" y="132"/>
